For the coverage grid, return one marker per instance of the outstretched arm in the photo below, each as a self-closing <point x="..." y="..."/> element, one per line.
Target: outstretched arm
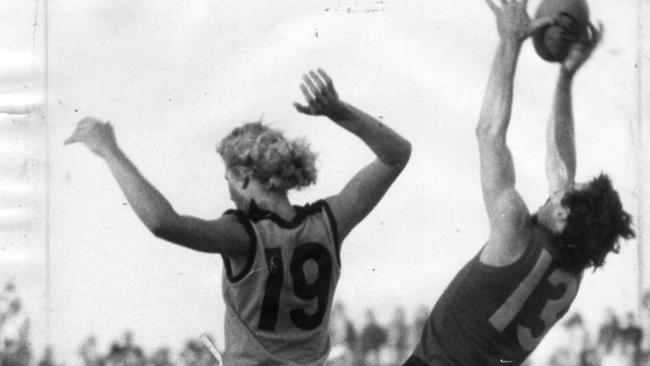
<point x="560" y="136"/>
<point x="497" y="169"/>
<point x="224" y="235"/>
<point x="504" y="206"/>
<point x="368" y="186"/>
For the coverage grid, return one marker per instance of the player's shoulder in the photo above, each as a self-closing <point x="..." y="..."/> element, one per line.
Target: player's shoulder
<point x="232" y="215"/>
<point x="236" y="224"/>
<point x="233" y="218"/>
<point x="320" y="206"/>
<point x="512" y="210"/>
<point x="508" y="243"/>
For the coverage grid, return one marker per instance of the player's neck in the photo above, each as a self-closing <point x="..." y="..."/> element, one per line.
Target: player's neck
<point x="279" y="205"/>
<point x="547" y="222"/>
<point x="276" y="202"/>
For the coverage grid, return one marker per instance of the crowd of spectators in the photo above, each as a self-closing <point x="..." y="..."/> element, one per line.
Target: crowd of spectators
<point x="16" y="349"/>
<point x="125" y="352"/>
<point x="618" y="341"/>
<point x="14" y="329"/>
<point x="373" y="344"/>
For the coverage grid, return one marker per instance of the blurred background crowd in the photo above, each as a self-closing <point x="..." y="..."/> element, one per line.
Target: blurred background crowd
<point x="618" y="341"/>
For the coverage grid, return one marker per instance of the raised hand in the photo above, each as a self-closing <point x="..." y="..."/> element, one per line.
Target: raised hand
<point x="321" y="97"/>
<point x="98" y="136"/>
<point x="581" y="51"/>
<point x="513" y="22"/>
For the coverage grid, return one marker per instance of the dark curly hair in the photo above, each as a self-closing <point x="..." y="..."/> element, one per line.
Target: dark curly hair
<point x="266" y="155"/>
<point x="595" y="223"/>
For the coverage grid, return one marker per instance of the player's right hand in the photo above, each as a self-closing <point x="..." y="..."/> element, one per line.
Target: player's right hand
<point x="513" y="22"/>
<point x="98" y="136"/>
<point x="581" y="51"/>
<point x="322" y="99"/>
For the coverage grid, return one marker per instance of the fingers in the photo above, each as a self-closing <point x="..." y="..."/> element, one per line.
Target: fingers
<point x="596" y="34"/>
<point x="319" y="92"/>
<point x="326" y="77"/>
<point x="312" y="87"/>
<point x="326" y="88"/>
<point x="303" y="109"/>
<point x="314" y="104"/>
<point x="492" y="6"/>
<point x="307" y="94"/>
<point x="321" y="85"/>
<point x="591" y="40"/>
<point x="78" y="133"/>
<point x="541" y="22"/>
<point x="318" y="88"/>
<point x="495" y="9"/>
<point x="81" y="131"/>
<point x="601" y="28"/>
<point x="72" y="139"/>
<point x="329" y="82"/>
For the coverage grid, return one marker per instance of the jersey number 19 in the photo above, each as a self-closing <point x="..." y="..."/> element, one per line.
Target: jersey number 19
<point x="318" y="289"/>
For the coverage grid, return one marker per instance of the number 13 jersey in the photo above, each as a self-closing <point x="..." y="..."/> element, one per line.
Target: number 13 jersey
<point x="278" y="306"/>
<point x="498" y="315"/>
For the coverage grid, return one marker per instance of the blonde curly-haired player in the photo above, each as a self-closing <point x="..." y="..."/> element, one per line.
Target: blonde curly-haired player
<point x="281" y="262"/>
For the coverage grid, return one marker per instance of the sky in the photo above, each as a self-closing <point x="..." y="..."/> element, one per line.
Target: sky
<point x="174" y="78"/>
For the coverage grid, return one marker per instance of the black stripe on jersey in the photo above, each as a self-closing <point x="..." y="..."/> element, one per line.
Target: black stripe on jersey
<point x="256" y="214"/>
<point x="252" y="245"/>
<point x="319" y="205"/>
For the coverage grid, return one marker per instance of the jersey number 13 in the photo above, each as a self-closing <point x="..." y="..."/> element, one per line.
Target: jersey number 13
<point x="564" y="284"/>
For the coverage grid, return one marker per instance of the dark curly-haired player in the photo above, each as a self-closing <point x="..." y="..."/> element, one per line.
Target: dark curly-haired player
<point x="501" y="304"/>
<point x="281" y="262"/>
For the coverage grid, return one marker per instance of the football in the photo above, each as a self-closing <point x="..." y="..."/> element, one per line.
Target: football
<point x="552" y="43"/>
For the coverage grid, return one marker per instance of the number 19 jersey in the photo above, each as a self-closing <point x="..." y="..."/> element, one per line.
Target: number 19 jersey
<point x="498" y="315"/>
<point x="277" y="308"/>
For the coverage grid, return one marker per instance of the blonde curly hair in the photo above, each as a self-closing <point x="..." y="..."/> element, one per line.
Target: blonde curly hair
<point x="263" y="153"/>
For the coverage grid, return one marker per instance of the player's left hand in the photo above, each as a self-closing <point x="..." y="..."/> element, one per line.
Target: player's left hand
<point x="98" y="136"/>
<point x="581" y="51"/>
<point x="322" y="98"/>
